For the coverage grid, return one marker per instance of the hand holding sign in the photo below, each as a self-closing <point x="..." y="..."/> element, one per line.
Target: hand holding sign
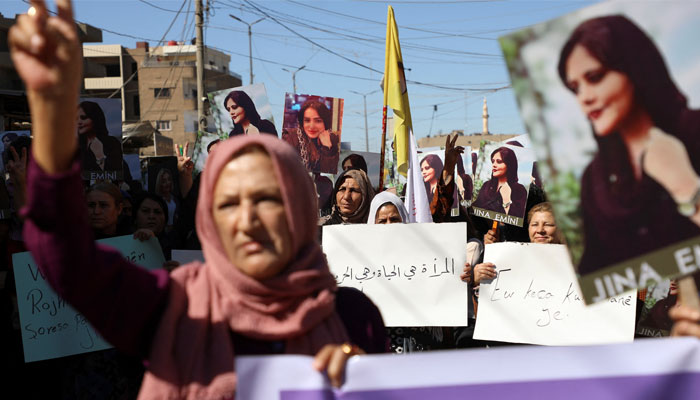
<point x="484" y="271"/>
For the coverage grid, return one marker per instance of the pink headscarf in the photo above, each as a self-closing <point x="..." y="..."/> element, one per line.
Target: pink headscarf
<point x="192" y="354"/>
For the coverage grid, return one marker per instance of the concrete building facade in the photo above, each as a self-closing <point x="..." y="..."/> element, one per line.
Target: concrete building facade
<point x="156" y="85"/>
<point x="473" y="140"/>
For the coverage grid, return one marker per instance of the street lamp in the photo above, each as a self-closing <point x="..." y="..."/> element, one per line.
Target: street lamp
<point x="364" y="100"/>
<point x="294" y="76"/>
<point x="250" y="41"/>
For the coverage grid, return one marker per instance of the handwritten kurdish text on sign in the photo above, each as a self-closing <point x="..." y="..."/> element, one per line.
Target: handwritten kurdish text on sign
<point x="410" y="271"/>
<point x="50" y="327"/>
<point x="535" y="299"/>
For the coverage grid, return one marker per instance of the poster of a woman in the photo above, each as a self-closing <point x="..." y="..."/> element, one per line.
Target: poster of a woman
<point x="243" y="110"/>
<point x="431" y="162"/>
<point x="613" y="115"/>
<point x="504" y="176"/>
<point x="313" y="124"/>
<point x="99" y="139"/>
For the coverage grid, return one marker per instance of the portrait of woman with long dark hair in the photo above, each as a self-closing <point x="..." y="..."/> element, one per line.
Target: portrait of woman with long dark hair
<point x="245" y="117"/>
<point x="431" y="167"/>
<point x="314" y="138"/>
<point x="502" y="193"/>
<point x="640" y="192"/>
<point x="99" y="151"/>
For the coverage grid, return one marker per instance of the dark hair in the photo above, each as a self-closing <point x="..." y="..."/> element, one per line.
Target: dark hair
<point x="110" y="189"/>
<point x="356" y="161"/>
<point x="211" y="144"/>
<point x="242" y="99"/>
<point x="620" y="45"/>
<point x="95" y="113"/>
<point x="434" y="162"/>
<point x="511" y="161"/>
<point x="320" y="108"/>
<point x="150" y="196"/>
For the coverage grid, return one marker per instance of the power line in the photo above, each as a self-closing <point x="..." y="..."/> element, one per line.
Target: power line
<point x="161" y="8"/>
<point x="311" y="41"/>
<point x="356" y="62"/>
<point x="368" y="38"/>
<point x="442" y="34"/>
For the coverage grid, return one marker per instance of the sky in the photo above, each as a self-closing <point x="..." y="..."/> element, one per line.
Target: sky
<point x="450" y="51"/>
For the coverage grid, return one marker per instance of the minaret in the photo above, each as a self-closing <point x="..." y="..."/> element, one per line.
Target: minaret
<point x="485" y="118"/>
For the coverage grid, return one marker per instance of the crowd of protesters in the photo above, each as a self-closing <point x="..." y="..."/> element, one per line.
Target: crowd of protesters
<point x="265" y="285"/>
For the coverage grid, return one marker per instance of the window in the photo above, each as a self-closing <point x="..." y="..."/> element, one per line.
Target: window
<point x="137" y="106"/>
<point x="163" y="125"/>
<point x="161" y="93"/>
<point x="134" y="70"/>
<point x="112" y="70"/>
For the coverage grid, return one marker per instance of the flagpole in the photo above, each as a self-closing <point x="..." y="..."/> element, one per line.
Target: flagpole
<point x="381" y="157"/>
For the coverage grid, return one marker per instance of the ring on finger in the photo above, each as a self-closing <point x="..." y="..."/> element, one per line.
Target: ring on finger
<point x="348" y="348"/>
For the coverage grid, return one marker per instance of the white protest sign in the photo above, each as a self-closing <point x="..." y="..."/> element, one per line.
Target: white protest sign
<point x="535" y="299"/>
<point x="410" y="271"/>
<point x="50" y="327"/>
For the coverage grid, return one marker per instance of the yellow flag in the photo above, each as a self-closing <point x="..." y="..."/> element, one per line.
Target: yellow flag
<point x="395" y="94"/>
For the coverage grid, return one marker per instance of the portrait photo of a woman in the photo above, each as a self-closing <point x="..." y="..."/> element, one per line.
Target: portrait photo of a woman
<point x="99" y="151"/>
<point x="165" y="189"/>
<point x="640" y="191"/>
<point x="313" y="136"/>
<point x="503" y="193"/>
<point x="242" y="110"/>
<point x="7" y="139"/>
<point x="245" y="117"/>
<point x="430" y="169"/>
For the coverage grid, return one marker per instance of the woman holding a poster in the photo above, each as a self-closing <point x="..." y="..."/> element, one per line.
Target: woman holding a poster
<point x="502" y="193"/>
<point x="245" y="117"/>
<point x="265" y="286"/>
<point x="641" y="190"/>
<point x="318" y="146"/>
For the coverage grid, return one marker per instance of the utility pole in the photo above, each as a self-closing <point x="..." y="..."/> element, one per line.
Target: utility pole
<point x="364" y="100"/>
<point x="294" y="76"/>
<point x="250" y="42"/>
<point x="199" y="21"/>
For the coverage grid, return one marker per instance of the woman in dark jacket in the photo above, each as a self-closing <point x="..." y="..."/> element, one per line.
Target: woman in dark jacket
<point x="639" y="193"/>
<point x="99" y="151"/>
<point x="502" y="193"/>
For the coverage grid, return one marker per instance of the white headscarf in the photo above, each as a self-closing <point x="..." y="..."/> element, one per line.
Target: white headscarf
<point x="383" y="198"/>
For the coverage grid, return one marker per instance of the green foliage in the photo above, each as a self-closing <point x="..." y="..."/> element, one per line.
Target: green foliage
<point x="564" y="191"/>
